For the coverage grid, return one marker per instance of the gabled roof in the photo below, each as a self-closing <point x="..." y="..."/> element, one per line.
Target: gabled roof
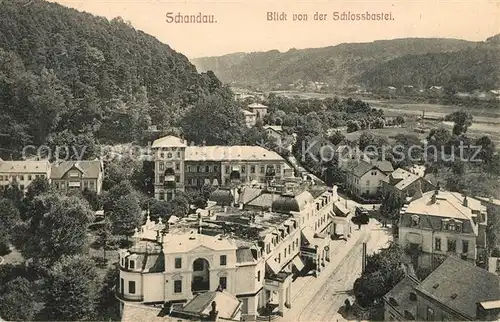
<point x="24" y="166"/>
<point x="169" y="141"/>
<point x="459" y="285"/>
<point x="399" y="296"/>
<point x="275" y="128"/>
<point x="400" y="178"/>
<point x="448" y="204"/>
<point x="248" y="113"/>
<point x="89" y="169"/>
<point x="227" y="304"/>
<point x="257" y="105"/>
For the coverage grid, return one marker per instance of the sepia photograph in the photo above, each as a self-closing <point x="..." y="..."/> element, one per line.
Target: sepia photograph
<point x="249" y="160"/>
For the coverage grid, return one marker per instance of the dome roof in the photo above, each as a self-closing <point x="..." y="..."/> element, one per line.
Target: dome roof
<point x="288" y="202"/>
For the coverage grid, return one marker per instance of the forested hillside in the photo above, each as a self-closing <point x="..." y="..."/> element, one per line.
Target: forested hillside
<point x="71" y="77"/>
<point x="465" y="70"/>
<point x="336" y="65"/>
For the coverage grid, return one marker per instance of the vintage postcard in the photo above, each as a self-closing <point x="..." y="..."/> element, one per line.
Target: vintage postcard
<point x="249" y="160"/>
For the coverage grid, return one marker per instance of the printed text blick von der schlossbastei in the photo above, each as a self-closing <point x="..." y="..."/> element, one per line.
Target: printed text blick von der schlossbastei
<point x="276" y="16"/>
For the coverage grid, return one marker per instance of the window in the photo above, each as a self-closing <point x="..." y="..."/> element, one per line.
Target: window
<point x="262" y="169"/>
<point x="465" y="246"/>
<point x="284" y="253"/>
<point x="162" y="155"/>
<point x="223" y="260"/>
<point x="437" y="243"/>
<point x="169" y="155"/>
<point x="268" y="248"/>
<point x="243" y="169"/>
<point x="223" y="282"/>
<point x="178" y="154"/>
<point x="258" y="276"/>
<point x="430" y="314"/>
<point x="131" y="264"/>
<point x="188" y="168"/>
<point x="278" y="168"/>
<point x="177" y="178"/>
<point x="29" y="176"/>
<point x="279" y="258"/>
<point x="162" y="195"/>
<point x="177" y="167"/>
<point x="215" y="168"/>
<point x="198" y="265"/>
<point x="289" y="249"/>
<point x="131" y="287"/>
<point x="252" y="169"/>
<point x="178" y="262"/>
<point x="452" y="245"/>
<point x="178" y="286"/>
<point x="160" y="166"/>
<point x="22" y="178"/>
<point x="207" y="168"/>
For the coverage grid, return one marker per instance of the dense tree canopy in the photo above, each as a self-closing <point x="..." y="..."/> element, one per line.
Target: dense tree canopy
<point x="73" y="78"/>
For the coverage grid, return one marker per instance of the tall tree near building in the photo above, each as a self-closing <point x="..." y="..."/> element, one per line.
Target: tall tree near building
<point x="57" y="228"/>
<point x="72" y="290"/>
<point x="215" y="121"/>
<point x="17" y="300"/>
<point x="125" y="216"/>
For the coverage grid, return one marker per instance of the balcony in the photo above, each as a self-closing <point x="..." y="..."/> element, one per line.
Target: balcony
<point x="128" y="297"/>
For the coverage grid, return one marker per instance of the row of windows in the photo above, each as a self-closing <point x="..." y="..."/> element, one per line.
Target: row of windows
<point x="200" y="168"/>
<point x="162" y="179"/>
<point x="198" y="265"/>
<point x="262" y="168"/>
<point x="451" y="245"/>
<point x="89" y="184"/>
<point x="21" y="177"/>
<point x="169" y="155"/>
<point x="178" y="284"/>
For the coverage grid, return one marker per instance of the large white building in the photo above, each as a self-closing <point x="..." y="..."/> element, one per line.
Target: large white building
<point x="179" y="166"/>
<point x="439" y="223"/>
<point x="252" y="251"/>
<point x="22" y="173"/>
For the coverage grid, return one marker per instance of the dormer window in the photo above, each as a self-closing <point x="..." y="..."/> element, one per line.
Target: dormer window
<point x="131" y="264"/>
<point x="415" y="220"/>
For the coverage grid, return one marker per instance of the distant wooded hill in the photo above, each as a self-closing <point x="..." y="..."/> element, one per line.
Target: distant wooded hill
<point x="411" y="61"/>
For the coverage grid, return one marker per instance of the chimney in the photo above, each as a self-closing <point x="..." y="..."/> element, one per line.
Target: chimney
<point x="418" y="190"/>
<point x="438" y="187"/>
<point x="199" y="223"/>
<point x="466" y="202"/>
<point x="433" y="198"/>
<point x="213" y="313"/>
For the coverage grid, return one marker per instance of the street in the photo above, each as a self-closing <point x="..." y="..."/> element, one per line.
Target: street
<point x="321" y="298"/>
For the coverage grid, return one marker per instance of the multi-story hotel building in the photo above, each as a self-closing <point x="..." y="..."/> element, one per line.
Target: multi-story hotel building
<point x="252" y="252"/>
<point x="439" y="223"/>
<point x="179" y="166"/>
<point x="22" y="173"/>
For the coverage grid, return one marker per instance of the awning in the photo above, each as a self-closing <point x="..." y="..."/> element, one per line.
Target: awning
<point x="273" y="266"/>
<point x="297" y="262"/>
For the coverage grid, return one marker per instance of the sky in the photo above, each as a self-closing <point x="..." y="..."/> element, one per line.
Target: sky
<point x="242" y="25"/>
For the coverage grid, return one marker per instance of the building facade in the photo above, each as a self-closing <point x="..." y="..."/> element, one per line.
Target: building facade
<point x="455" y="291"/>
<point x="402" y="183"/>
<point x="80" y="175"/>
<point x="439" y="223"/>
<point x="178" y="166"/>
<point x="22" y="173"/>
<point x="364" y="179"/>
